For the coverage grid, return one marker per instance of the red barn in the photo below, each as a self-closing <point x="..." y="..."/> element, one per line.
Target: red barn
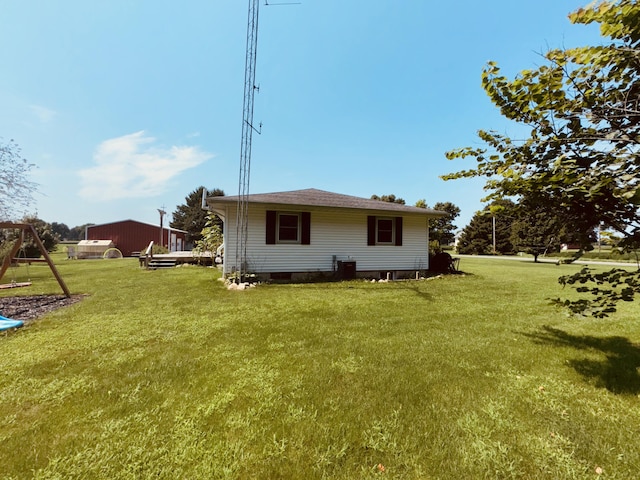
<point x="130" y="236"/>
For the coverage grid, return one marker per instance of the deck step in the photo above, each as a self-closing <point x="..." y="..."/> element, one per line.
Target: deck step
<point x="156" y="264"/>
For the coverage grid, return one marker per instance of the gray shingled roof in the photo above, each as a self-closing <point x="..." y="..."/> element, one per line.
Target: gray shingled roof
<point x="312" y="197"/>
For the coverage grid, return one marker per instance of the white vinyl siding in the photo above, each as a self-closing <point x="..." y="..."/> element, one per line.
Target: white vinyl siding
<point x="334" y="232"/>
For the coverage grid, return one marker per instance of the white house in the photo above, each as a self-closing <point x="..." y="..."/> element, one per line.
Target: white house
<point x="308" y="232"/>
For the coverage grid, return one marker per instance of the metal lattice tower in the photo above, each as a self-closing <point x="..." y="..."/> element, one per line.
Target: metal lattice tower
<point x="242" y="219"/>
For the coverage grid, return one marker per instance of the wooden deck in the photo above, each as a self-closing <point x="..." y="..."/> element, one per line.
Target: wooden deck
<point x="185" y="257"/>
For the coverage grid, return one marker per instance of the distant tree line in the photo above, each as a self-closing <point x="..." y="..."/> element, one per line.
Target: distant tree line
<point x="388" y="198"/>
<point x="521" y="227"/>
<point x="66" y="234"/>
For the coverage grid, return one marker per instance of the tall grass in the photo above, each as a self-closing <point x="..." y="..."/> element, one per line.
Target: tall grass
<point x="166" y="374"/>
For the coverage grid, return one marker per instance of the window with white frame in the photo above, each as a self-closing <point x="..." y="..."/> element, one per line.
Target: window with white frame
<point x="384" y="230"/>
<point x="288" y="227"/>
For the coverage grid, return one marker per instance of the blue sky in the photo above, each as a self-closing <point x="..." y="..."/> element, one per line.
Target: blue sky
<point x="127" y="106"/>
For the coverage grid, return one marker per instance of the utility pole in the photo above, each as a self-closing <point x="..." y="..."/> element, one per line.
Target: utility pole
<point x="162" y="213"/>
<point x="494" y="233"/>
<point x="242" y="219"/>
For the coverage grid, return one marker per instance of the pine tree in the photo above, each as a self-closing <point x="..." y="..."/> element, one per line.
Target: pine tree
<point x="191" y="217"/>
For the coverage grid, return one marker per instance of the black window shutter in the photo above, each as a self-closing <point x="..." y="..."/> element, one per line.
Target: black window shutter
<point x="271" y="227"/>
<point x="399" y="231"/>
<point x="305" y="237"/>
<point x="371" y="230"/>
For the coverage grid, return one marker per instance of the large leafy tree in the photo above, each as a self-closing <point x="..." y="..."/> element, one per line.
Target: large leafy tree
<point x="15" y="187"/>
<point x="61" y="230"/>
<point x="443" y="229"/>
<point x="29" y="248"/>
<point x="191" y="217"/>
<point x="537" y="232"/>
<point x="47" y="237"/>
<point x="477" y="238"/>
<point x="212" y="236"/>
<point x="537" y="229"/>
<point x="581" y="158"/>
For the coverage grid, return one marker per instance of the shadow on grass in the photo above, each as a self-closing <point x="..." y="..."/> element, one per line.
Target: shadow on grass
<point x="618" y="372"/>
<point x="416" y="289"/>
<point x="361" y="285"/>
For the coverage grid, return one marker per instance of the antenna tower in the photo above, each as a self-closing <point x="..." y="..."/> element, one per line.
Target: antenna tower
<point x="242" y="219"/>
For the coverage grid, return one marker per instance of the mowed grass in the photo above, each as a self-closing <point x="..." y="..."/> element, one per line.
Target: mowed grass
<point x="166" y="374"/>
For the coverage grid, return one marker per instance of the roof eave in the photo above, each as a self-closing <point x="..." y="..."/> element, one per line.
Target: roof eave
<point x="219" y="206"/>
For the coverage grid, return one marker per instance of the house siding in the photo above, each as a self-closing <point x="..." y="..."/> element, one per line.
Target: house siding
<point x="339" y="233"/>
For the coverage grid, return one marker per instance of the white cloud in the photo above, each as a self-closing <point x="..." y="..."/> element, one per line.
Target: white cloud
<point x="44" y="114"/>
<point x="132" y="167"/>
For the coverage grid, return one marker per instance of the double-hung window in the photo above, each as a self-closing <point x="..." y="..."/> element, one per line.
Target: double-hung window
<point x="288" y="227"/>
<point x="384" y="230"/>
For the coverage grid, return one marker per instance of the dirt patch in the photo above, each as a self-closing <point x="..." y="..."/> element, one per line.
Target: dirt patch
<point x="31" y="307"/>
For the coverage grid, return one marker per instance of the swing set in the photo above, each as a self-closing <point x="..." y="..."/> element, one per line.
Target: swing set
<point x="14" y="277"/>
<point x="11" y="259"/>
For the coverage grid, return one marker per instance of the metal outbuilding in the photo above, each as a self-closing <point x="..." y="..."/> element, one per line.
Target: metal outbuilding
<point x="131" y="237"/>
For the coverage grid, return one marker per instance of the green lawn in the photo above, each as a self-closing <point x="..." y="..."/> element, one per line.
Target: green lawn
<point x="166" y="374"/>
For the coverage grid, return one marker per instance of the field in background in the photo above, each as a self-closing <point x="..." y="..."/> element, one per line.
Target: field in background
<point x="166" y="374"/>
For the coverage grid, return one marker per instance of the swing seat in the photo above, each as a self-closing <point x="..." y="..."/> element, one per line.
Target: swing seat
<point x="7" y="323"/>
<point x="14" y="285"/>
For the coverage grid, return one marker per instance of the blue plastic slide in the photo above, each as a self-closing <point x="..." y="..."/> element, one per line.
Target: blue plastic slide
<point x="7" y="323"/>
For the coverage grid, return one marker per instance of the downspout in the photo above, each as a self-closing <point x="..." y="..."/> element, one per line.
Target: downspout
<point x="428" y="250"/>
<point x="224" y="241"/>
